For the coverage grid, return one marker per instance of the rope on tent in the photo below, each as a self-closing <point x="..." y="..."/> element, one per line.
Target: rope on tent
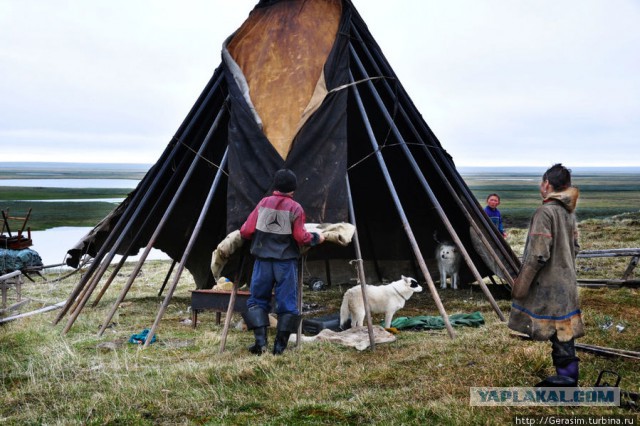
<point x="380" y="148"/>
<point x="203" y="158"/>
<point x="396" y="108"/>
<point x="364" y="80"/>
<point x="198" y="154"/>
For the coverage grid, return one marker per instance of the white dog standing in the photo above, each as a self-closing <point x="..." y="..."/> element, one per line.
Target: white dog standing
<point x="448" y="259"/>
<point x="387" y="299"/>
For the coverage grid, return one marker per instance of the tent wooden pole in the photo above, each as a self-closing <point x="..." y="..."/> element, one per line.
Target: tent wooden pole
<point x="432" y="197"/>
<point x="303" y="259"/>
<point x="232" y="303"/>
<point x="109" y="280"/>
<point x="165" y="217"/>
<point x="76" y="302"/>
<point x="360" y="267"/>
<point x="433" y="161"/>
<point x="227" y="318"/>
<point x="75" y="308"/>
<point x="465" y="190"/>
<point x="403" y="216"/>
<point x="166" y="279"/>
<point x="141" y="196"/>
<point x="187" y="250"/>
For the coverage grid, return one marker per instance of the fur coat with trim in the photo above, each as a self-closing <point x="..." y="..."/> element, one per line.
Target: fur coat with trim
<point x="550" y="305"/>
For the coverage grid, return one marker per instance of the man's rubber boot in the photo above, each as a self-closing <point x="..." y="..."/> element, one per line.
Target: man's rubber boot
<point x="287" y="324"/>
<point x="566" y="377"/>
<point x="556" y="382"/>
<point x="257" y="320"/>
<point x="570" y="370"/>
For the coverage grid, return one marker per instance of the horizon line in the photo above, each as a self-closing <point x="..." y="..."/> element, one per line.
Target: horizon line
<point x="457" y="166"/>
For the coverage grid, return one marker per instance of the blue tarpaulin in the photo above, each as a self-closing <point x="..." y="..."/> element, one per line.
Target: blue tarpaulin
<point x="14" y="260"/>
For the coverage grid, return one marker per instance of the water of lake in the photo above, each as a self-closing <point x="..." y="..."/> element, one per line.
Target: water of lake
<point x="52" y="244"/>
<point x="83" y="200"/>
<point x="71" y="183"/>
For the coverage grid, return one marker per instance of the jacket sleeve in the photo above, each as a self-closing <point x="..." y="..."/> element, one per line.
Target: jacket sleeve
<point x="248" y="228"/>
<point x="536" y="252"/>
<point x="300" y="234"/>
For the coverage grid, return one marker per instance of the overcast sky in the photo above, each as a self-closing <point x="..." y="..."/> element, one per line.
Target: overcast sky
<point x="500" y="82"/>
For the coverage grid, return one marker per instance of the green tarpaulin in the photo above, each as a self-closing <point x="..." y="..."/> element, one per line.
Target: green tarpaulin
<point x="425" y="322"/>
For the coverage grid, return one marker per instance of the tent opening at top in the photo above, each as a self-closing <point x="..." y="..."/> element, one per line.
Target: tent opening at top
<point x="281" y="51"/>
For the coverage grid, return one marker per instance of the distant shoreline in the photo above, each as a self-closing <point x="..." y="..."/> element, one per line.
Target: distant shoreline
<point x="77" y="166"/>
<point x="539" y="170"/>
<point x="143" y="167"/>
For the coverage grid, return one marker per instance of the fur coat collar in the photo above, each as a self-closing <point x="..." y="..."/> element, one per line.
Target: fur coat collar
<point x="568" y="198"/>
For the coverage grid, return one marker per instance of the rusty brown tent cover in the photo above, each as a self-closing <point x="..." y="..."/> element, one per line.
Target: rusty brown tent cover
<point x="303" y="85"/>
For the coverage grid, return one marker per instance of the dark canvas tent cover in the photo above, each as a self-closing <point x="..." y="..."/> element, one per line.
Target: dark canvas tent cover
<point x="302" y="85"/>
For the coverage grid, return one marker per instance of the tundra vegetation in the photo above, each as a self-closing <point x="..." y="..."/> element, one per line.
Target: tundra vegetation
<point x="424" y="377"/>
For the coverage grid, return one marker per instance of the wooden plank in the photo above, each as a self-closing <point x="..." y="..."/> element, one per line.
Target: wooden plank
<point x="613" y="283"/>
<point x="609" y="253"/>
<point x="599" y="350"/>
<point x="38" y="311"/>
<point x="14" y="306"/>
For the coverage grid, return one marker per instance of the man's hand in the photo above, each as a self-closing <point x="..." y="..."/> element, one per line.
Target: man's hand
<point x="320" y="238"/>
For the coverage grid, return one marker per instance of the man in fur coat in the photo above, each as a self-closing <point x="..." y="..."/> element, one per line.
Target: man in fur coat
<point x="545" y="293"/>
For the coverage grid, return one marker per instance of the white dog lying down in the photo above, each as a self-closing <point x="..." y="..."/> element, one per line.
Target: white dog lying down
<point x="387" y="299"/>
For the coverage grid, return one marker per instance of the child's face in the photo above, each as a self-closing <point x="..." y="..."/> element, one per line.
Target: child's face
<point x="493" y="201"/>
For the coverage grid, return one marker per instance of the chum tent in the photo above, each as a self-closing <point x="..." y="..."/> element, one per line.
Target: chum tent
<point x="301" y="85"/>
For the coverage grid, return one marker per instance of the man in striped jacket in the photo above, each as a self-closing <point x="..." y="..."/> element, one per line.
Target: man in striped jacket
<point x="276" y="230"/>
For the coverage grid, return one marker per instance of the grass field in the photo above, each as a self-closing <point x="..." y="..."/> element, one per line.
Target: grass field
<point x="602" y="194"/>
<point x="51" y="214"/>
<point x="47" y="377"/>
<point x="423" y="378"/>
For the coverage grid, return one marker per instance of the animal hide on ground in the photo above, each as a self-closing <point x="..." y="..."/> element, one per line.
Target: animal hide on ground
<point x="356" y="337"/>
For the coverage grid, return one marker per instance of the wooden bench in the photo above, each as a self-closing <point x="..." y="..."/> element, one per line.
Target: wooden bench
<point x="217" y="301"/>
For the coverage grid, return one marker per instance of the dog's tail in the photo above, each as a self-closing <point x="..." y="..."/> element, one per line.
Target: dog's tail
<point x="344" y="311"/>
